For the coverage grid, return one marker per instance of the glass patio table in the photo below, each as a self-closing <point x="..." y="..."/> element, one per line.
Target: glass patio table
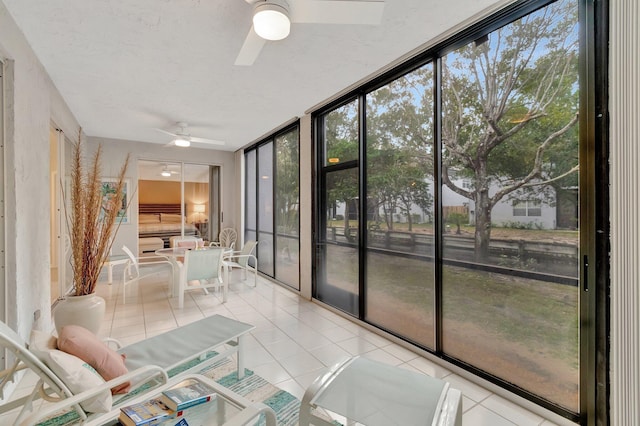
<point x="377" y="394"/>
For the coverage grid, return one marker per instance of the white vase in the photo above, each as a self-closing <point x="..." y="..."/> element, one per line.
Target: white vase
<point x="86" y="311"/>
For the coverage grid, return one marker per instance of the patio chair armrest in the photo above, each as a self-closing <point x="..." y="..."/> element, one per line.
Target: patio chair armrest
<point x="228" y="254"/>
<point x="148" y="373"/>
<point x="214" y="244"/>
<point x="239" y="256"/>
<point x="110" y="340"/>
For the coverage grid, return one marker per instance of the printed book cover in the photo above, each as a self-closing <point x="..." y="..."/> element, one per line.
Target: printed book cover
<point x="187" y="394"/>
<point x="148" y="413"/>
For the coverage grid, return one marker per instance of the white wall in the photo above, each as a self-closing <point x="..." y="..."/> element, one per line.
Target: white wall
<point x="32" y="104"/>
<point x="114" y="153"/>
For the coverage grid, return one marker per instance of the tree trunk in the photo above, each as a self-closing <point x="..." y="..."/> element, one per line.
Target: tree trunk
<point x="347" y="231"/>
<point x="483" y="226"/>
<point x="409" y="218"/>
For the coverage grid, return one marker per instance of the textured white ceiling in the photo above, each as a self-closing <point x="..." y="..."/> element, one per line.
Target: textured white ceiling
<point x="126" y="67"/>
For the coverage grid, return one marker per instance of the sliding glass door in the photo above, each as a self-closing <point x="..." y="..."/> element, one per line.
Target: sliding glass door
<point x="177" y="198"/>
<point x="272" y="197"/>
<point x="448" y="203"/>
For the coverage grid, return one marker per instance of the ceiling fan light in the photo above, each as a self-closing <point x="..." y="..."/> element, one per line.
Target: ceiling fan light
<point x="271" y="20"/>
<point x="183" y="142"/>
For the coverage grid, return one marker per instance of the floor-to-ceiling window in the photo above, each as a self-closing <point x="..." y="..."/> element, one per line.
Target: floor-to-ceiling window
<point x="449" y="201"/>
<point x="272" y="197"/>
<point x="338" y="246"/>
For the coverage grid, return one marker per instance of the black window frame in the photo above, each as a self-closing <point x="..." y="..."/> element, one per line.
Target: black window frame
<point x="594" y="235"/>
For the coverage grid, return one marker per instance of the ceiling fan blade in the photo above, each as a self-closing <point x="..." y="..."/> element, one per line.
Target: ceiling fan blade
<point x="250" y="49"/>
<point x="206" y="141"/>
<point x="164" y="131"/>
<point x="336" y="12"/>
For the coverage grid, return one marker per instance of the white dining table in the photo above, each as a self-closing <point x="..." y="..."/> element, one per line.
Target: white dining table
<point x="175" y="253"/>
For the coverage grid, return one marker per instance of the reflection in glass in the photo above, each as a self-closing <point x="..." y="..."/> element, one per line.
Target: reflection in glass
<point x="338" y="268"/>
<point x="287" y="209"/>
<point x="400" y="207"/>
<point x="509" y="197"/>
<point x="341" y="134"/>
<point x="250" y="194"/>
<point x="265" y="209"/>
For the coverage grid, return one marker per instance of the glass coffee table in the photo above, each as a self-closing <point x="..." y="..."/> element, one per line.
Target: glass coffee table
<point x="228" y="408"/>
<point x="376" y="394"/>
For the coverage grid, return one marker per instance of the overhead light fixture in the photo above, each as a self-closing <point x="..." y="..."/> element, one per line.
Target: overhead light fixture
<point x="182" y="141"/>
<point x="271" y="19"/>
<point x="165" y="173"/>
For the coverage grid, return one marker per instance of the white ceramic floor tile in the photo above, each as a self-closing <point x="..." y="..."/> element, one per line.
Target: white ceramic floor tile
<point x="337" y="334"/>
<point x="305" y="380"/>
<point x="330" y="354"/>
<point x="429" y="367"/>
<point x="312" y="340"/>
<point x="284" y="349"/>
<point x="257" y="356"/>
<point x="468" y="389"/>
<point x="400" y="352"/>
<point x="270" y="336"/>
<point x="301" y="364"/>
<point x="467" y="404"/>
<point x="272" y="372"/>
<point x="511" y="411"/>
<point x="382" y="356"/>
<point x="357" y="345"/>
<point x="481" y="416"/>
<point x="294" y="340"/>
<point x="127" y="331"/>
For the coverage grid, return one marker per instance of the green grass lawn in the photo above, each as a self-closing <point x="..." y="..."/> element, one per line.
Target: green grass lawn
<point x="522" y="330"/>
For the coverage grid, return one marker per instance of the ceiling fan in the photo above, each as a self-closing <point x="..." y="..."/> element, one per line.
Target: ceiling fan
<point x="167" y="172"/>
<point x="272" y="19"/>
<point x="182" y="138"/>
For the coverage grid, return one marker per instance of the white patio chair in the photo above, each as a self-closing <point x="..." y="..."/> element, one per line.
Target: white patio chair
<point x="186" y="241"/>
<point x="226" y="239"/>
<point x="240" y="260"/>
<point x="195" y="346"/>
<point x="52" y="388"/>
<point x="132" y="269"/>
<point x="202" y="269"/>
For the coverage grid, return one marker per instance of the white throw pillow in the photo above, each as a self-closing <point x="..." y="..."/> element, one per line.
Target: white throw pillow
<point x="76" y="374"/>
<point x="80" y="376"/>
<point x="41" y="343"/>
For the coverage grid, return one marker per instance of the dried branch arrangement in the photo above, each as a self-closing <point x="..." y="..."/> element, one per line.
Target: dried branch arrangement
<point x="93" y="218"/>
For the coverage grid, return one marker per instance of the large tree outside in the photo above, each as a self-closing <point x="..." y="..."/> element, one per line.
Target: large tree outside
<point x="508" y="176"/>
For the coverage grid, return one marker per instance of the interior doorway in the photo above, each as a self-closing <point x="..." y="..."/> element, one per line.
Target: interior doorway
<point x="54" y="190"/>
<point x="3" y="288"/>
<point x="177" y="198"/>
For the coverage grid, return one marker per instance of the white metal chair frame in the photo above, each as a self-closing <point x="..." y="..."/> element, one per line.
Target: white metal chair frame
<point x="175" y="240"/>
<point x="50" y="388"/>
<point x="132" y="269"/>
<point x="240" y="260"/>
<point x="205" y="267"/>
<point x="227" y="238"/>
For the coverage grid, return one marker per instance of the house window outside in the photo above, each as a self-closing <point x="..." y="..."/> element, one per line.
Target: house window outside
<point x="527" y="208"/>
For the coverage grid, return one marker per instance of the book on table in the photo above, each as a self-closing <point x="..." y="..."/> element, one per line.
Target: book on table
<point x="147" y="413"/>
<point x="186" y="394"/>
